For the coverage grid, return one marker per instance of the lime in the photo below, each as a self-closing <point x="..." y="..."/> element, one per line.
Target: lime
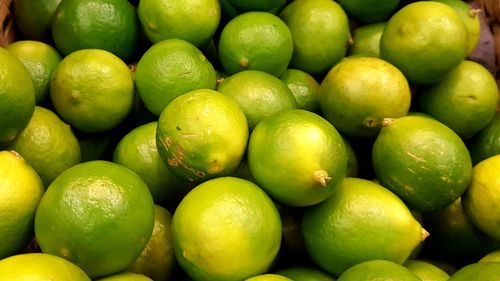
<point x="304" y="88"/>
<point x="488" y="271"/>
<point x="491" y="257"/>
<point x="426" y="271"/>
<point x="368" y="11"/>
<point x="486" y="142"/>
<point x="226" y="229"/>
<point x="376" y="270"/>
<point x="366" y="40"/>
<point x="97" y="214"/>
<point x="35" y="26"/>
<point x="126" y="276"/>
<point x="359" y="92"/>
<point x="269" y="277"/>
<point x="422" y="161"/>
<point x="346" y="229"/>
<point x="352" y="159"/>
<point x="320" y="33"/>
<point x="258" y="94"/>
<point x="304" y="273"/>
<point x="169" y="69"/>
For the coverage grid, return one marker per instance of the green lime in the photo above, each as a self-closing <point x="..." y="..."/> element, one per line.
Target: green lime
<point x="376" y="270"/>
<point x="488" y="271"/>
<point x="491" y="257"/>
<point x="368" y="11"/>
<point x="366" y="40"/>
<point x="304" y="88"/>
<point x="304" y="273"/>
<point x="35" y="26"/>
<point x="486" y="142"/>
<point x="268" y="277"/>
<point x="126" y="276"/>
<point x="426" y="271"/>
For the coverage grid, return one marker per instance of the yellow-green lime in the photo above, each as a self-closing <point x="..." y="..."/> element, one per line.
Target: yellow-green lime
<point x="258" y="94"/>
<point x="359" y="92"/>
<point x="110" y="25"/>
<point x="486" y="142"/>
<point x="425" y="40"/>
<point x="126" y="276"/>
<point x="369" y="11"/>
<point x="491" y="257"/>
<point x="169" y="69"/>
<point x="423" y="161"/>
<point x="298" y="157"/>
<point x="40" y="267"/>
<point x="192" y="20"/>
<point x="320" y="33"/>
<point x="35" y="26"/>
<point x="480" y="199"/>
<point x="47" y="144"/>
<point x="345" y="229"/>
<point x="269" y="277"/>
<point x="20" y="192"/>
<point x="366" y="40"/>
<point x="17" y="97"/>
<point x="487" y="271"/>
<point x="255" y="41"/>
<point x="226" y="229"/>
<point x="97" y="214"/>
<point x="304" y="88"/>
<point x="92" y="90"/>
<point x="201" y="135"/>
<point x="305" y="273"/>
<point x="375" y="270"/>
<point x="137" y="151"/>
<point x="426" y="271"/>
<point x="41" y="60"/>
<point x="465" y="101"/>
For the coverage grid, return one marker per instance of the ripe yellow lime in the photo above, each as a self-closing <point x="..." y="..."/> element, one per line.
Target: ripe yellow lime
<point x="40" y="267"/>
<point x="359" y="92"/>
<point x="366" y="40"/>
<point x="487" y="271"/>
<point x="480" y="199"/>
<point x="425" y="40"/>
<point x="157" y="260"/>
<point x="304" y="88"/>
<point x="47" y="144"/>
<point x="376" y="270"/>
<point x="226" y="229"/>
<point x="269" y="277"/>
<point x="40" y="60"/>
<point x="137" y="151"/>
<point x="126" y="276"/>
<point x="17" y="97"/>
<point x="369" y="11"/>
<point x="298" y="157"/>
<point x="111" y="25"/>
<point x="486" y="142"/>
<point x="258" y="94"/>
<point x="255" y="41"/>
<point x="422" y="161"/>
<point x="305" y="273"/>
<point x="20" y="192"/>
<point x="97" y="214"/>
<point x="320" y="33"/>
<point x="361" y="221"/>
<point x="192" y="20"/>
<point x="426" y="271"/>
<point x="92" y="90"/>
<point x="35" y="26"/>
<point x="201" y="135"/>
<point x="169" y="69"/>
<point x="465" y="101"/>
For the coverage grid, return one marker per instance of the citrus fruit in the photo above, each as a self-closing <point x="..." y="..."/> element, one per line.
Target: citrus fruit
<point x="488" y="271"/>
<point x="17" y="97"/>
<point x="304" y="273"/>
<point x="257" y="5"/>
<point x="303" y="87"/>
<point x="359" y="92"/>
<point x="35" y="26"/>
<point x="268" y="277"/>
<point x="137" y="151"/>
<point x="21" y="191"/>
<point x="169" y="69"/>
<point x="320" y="33"/>
<point x="486" y="142"/>
<point x="361" y="221"/>
<point x="157" y="259"/>
<point x="425" y="40"/>
<point x="366" y="40"/>
<point x="352" y="159"/>
<point x="465" y="100"/>
<point x="255" y="41"/>
<point x="47" y="144"/>
<point x="97" y="214"/>
<point x="92" y="90"/>
<point x="258" y="94"/>
<point x="491" y="257"/>
<point x="193" y="20"/>
<point x="126" y="276"/>
<point x="422" y="161"/>
<point x="226" y="229"/>
<point x="470" y="17"/>
<point x="426" y="271"/>
<point x="202" y="134"/>
<point x="369" y="11"/>
<point x="40" y="60"/>
<point x="481" y="197"/>
<point x="297" y="157"/>
<point x="111" y="25"/>
<point x="40" y="267"/>
<point x="375" y="270"/>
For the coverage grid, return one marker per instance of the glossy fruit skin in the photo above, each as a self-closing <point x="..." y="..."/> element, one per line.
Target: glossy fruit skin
<point x="486" y="142"/>
<point x="369" y="11"/>
<point x="426" y="271"/>
<point x="378" y="270"/>
<point x="367" y="40"/>
<point x="269" y="277"/>
<point x="477" y="271"/>
<point x="299" y="273"/>
<point x="304" y="88"/>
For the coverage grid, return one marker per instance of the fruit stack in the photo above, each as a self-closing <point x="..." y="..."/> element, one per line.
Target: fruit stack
<point x="215" y="140"/>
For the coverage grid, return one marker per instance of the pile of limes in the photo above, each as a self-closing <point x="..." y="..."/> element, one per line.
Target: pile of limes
<point x="259" y="140"/>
